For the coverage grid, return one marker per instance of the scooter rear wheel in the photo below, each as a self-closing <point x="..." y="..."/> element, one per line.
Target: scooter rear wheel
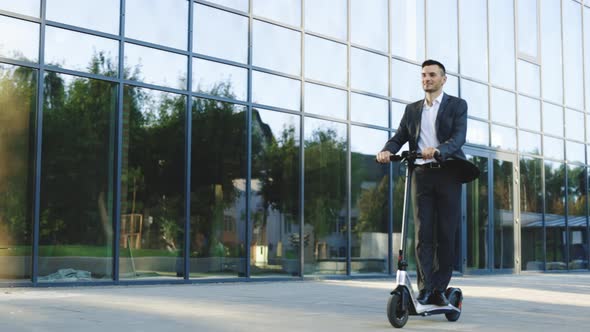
<point x="455" y="298"/>
<point x="397" y="317"/>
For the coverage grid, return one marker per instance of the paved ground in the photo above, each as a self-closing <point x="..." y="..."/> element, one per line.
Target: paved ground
<point x="528" y="302"/>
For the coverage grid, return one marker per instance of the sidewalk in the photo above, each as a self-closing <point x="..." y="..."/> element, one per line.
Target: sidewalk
<point x="527" y="302"/>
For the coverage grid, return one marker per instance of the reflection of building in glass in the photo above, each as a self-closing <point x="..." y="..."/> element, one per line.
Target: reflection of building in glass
<point x="183" y="140"/>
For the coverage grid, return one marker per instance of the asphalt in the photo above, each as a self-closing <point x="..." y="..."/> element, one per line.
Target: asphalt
<point x="526" y="302"/>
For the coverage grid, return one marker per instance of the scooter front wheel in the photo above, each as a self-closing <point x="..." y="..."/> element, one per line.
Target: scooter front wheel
<point x="456" y="299"/>
<point x="397" y="317"/>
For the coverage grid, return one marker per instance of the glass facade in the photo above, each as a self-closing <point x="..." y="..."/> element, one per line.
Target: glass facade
<point x="175" y="140"/>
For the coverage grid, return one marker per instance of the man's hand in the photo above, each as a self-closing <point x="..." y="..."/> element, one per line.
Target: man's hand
<point x="428" y="153"/>
<point x="383" y="157"/>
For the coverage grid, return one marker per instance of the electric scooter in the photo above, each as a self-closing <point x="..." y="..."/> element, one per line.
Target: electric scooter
<point x="403" y="302"/>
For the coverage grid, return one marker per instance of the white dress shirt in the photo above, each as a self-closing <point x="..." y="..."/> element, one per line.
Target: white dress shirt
<point x="428" y="128"/>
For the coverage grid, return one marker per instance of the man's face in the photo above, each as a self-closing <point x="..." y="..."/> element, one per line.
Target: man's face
<point x="432" y="78"/>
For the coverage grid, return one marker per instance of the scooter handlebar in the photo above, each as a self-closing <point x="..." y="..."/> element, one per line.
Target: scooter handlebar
<point x="412" y="155"/>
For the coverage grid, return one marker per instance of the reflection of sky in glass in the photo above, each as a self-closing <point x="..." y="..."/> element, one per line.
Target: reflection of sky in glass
<point x="368" y="23"/>
<point x="279" y="122"/>
<point x="208" y="74"/>
<point x="27" y="7"/>
<point x="60" y="42"/>
<point x="369" y="110"/>
<point x="575" y="152"/>
<point x="237" y="4"/>
<point x="97" y="15"/>
<point x="442" y="25"/>
<point x="574" y="125"/>
<point x="397" y="112"/>
<point x="529" y="142"/>
<point x="327" y="17"/>
<point x="474" y="39"/>
<point x="407" y="29"/>
<point x="313" y="125"/>
<point x="551" y="78"/>
<point x="503" y="137"/>
<point x="325" y="60"/>
<point x="276" y="48"/>
<point x="325" y="101"/>
<point x="552" y="119"/>
<point x="477" y="132"/>
<point x="529" y="113"/>
<point x="476" y="95"/>
<point x="276" y="91"/>
<point x="528" y="78"/>
<point x="406" y="81"/>
<point x="220" y="34"/>
<point x="572" y="51"/>
<point x="527" y="27"/>
<point x="286" y="11"/>
<point x="158" y="21"/>
<point x="452" y="85"/>
<point x="503" y="106"/>
<point x="22" y="43"/>
<point x="156" y="67"/>
<point x="552" y="147"/>
<point x="368" y="71"/>
<point x="366" y="140"/>
<point x="501" y="39"/>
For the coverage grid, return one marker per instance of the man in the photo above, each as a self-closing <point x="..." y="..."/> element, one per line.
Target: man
<point x="434" y="126"/>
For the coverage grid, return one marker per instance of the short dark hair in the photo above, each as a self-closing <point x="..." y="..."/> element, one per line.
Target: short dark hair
<point x="431" y="62"/>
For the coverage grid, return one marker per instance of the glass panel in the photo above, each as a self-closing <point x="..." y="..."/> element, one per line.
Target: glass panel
<point x="575" y="152"/>
<point x="503" y="137"/>
<point x="406" y="81"/>
<point x="27" y="7"/>
<point x="587" y="56"/>
<point x="527" y="27"/>
<point x="152" y="186"/>
<point x="476" y="95"/>
<point x="96" y="15"/>
<point x="286" y="11"/>
<point x="325" y="197"/>
<point x="368" y="23"/>
<point x="501" y="42"/>
<point x="158" y="21"/>
<point x="274" y="205"/>
<point x="22" y="43"/>
<point x="368" y="71"/>
<point x="276" y="48"/>
<point x="93" y="54"/>
<point x="276" y="91"/>
<point x="553" y="148"/>
<point x="531" y="214"/>
<point x="77" y="177"/>
<point x="18" y="100"/>
<point x="237" y="4"/>
<point x="529" y="142"/>
<point x="442" y="25"/>
<point x="218" y="189"/>
<point x="219" y="79"/>
<point x="325" y="101"/>
<point x="553" y="119"/>
<point x="397" y="112"/>
<point x="220" y="34"/>
<point x="370" y="197"/>
<point x="503" y="105"/>
<point x="551" y="75"/>
<point x="572" y="51"/>
<point x="478" y="132"/>
<point x="555" y="215"/>
<point x="574" y="125"/>
<point x="576" y="219"/>
<point x="477" y="217"/>
<point x="452" y="85"/>
<point x="528" y="78"/>
<point x="144" y="64"/>
<point x="407" y="29"/>
<point x="503" y="215"/>
<point x="474" y="38"/>
<point x="327" y="17"/>
<point x="325" y="60"/>
<point x="369" y="110"/>
<point x="529" y="113"/>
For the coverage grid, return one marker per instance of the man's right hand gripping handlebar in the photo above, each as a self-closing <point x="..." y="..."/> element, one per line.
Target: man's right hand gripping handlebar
<point x="384" y="157"/>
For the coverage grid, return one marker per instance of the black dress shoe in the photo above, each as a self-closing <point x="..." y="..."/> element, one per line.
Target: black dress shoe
<point x="439" y="298"/>
<point x="424" y="296"/>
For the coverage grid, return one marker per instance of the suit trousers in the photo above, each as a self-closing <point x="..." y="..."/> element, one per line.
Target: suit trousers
<point x="436" y="202"/>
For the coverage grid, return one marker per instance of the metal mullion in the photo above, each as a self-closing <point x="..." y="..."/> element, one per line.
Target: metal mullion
<point x="326" y="37"/>
<point x="188" y="147"/>
<point x="80" y="73"/>
<point x="218" y="98"/>
<point x="277" y="23"/>
<point x="155" y="46"/>
<point x="389" y="125"/>
<point x="249" y="110"/>
<point x="348" y="194"/>
<point x="367" y="125"/>
<point x="564" y="118"/>
<point x="276" y="73"/>
<point x="20" y="16"/>
<point x="326" y="84"/>
<point x="220" y="60"/>
<point x="370" y="50"/>
<point x="370" y="94"/>
<point x="79" y="29"/>
<point x="302" y="152"/>
<point x="19" y="63"/>
<point x="153" y="87"/>
<point x="221" y="7"/>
